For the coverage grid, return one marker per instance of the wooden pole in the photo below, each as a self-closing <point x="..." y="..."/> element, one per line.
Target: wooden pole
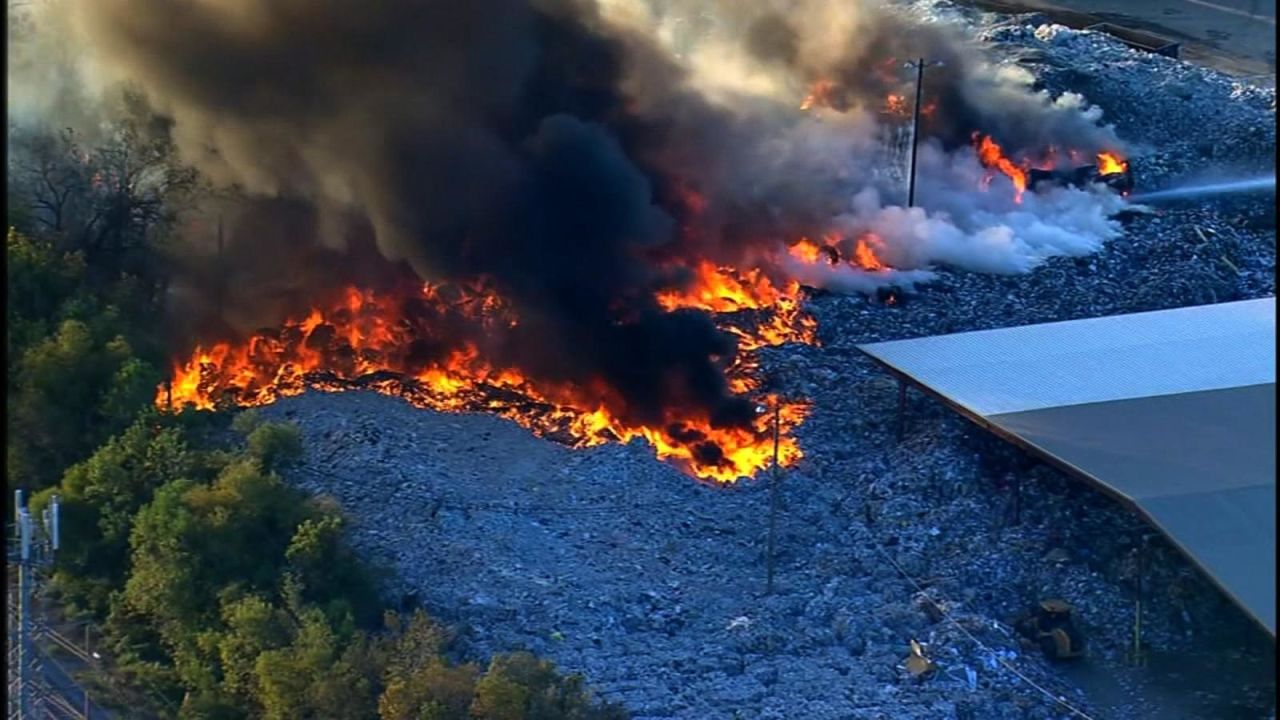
<point x="902" y="409"/>
<point x="1139" y="656"/>
<point x="915" y="133"/>
<point x="1017" y="499"/>
<point x="773" y="497"/>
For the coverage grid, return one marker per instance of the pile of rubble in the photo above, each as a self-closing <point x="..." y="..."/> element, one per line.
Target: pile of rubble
<point x="619" y="567"/>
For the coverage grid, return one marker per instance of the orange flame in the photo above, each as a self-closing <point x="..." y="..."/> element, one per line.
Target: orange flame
<point x="726" y="290"/>
<point x="991" y="156"/>
<point x="821" y="93"/>
<point x="864" y="254"/>
<point x="896" y="105"/>
<point x="721" y="289"/>
<point x="363" y="334"/>
<point x="805" y="250"/>
<point x="1110" y="164"/>
<point x="865" y="257"/>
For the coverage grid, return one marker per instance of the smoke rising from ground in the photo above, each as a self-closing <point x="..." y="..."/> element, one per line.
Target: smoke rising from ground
<point x="575" y="151"/>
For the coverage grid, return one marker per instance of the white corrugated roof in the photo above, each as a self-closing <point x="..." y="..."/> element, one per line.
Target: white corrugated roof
<point x="1207" y="347"/>
<point x="1173" y="411"/>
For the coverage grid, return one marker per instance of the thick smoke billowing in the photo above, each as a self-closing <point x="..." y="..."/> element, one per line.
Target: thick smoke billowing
<point x="574" y="151"/>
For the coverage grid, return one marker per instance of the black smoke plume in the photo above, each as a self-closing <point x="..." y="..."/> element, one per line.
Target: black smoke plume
<point x="552" y="146"/>
<point x="488" y="138"/>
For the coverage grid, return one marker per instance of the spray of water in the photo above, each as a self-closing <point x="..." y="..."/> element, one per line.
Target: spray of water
<point x="1217" y="188"/>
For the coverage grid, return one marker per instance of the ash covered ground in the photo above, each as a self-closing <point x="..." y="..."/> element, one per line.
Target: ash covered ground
<point x="620" y="567"/>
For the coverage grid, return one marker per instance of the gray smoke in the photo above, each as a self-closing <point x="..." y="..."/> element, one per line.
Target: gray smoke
<point x="580" y="153"/>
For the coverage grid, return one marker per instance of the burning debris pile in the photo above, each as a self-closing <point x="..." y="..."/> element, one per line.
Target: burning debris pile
<point x="1109" y="169"/>
<point x="603" y="189"/>
<point x="404" y="346"/>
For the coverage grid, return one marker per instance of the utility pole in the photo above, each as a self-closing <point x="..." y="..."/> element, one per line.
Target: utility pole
<point x="919" y="64"/>
<point x="30" y="554"/>
<point x="773" y="496"/>
<point x="1139" y="654"/>
<point x="902" y="409"/>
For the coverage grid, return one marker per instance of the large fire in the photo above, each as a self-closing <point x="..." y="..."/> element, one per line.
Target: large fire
<point x="366" y="339"/>
<point x="376" y="340"/>
<point x="993" y="157"/>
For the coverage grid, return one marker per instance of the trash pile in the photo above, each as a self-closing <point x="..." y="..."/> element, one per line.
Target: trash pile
<point x="902" y="567"/>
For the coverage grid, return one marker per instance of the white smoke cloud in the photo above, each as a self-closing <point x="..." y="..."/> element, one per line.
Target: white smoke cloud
<point x="968" y="216"/>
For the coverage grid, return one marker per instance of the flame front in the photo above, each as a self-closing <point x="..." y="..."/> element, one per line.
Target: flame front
<point x="991" y="156"/>
<point x="865" y="256"/>
<point x="721" y="289"/>
<point x="821" y="94"/>
<point x="806" y="250"/>
<point x="1111" y="164"/>
<point x="364" y="339"/>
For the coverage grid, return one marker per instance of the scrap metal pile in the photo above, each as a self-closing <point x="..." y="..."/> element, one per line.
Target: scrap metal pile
<point x="618" y="566"/>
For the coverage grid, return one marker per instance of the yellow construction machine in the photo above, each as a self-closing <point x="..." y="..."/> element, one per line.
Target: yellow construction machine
<point x="1051" y="627"/>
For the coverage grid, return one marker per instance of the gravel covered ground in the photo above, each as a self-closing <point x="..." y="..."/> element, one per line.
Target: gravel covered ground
<point x="618" y="566"/>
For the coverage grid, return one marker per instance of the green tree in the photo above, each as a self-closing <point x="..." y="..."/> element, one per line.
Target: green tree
<point x="207" y="561"/>
<point x="253" y="626"/>
<point x="434" y="691"/>
<point x="405" y="647"/>
<point x="69" y="393"/>
<point x="164" y="586"/>
<point x="275" y="445"/>
<point x="40" y="280"/>
<point x="328" y="571"/>
<point x="519" y="686"/>
<point x="100" y="498"/>
<point x="229" y="595"/>
<point x="195" y="542"/>
<point x="316" y="676"/>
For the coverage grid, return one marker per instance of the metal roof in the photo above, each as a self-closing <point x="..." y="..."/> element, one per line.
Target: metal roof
<point x="1206" y="347"/>
<point x="1171" y="411"/>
